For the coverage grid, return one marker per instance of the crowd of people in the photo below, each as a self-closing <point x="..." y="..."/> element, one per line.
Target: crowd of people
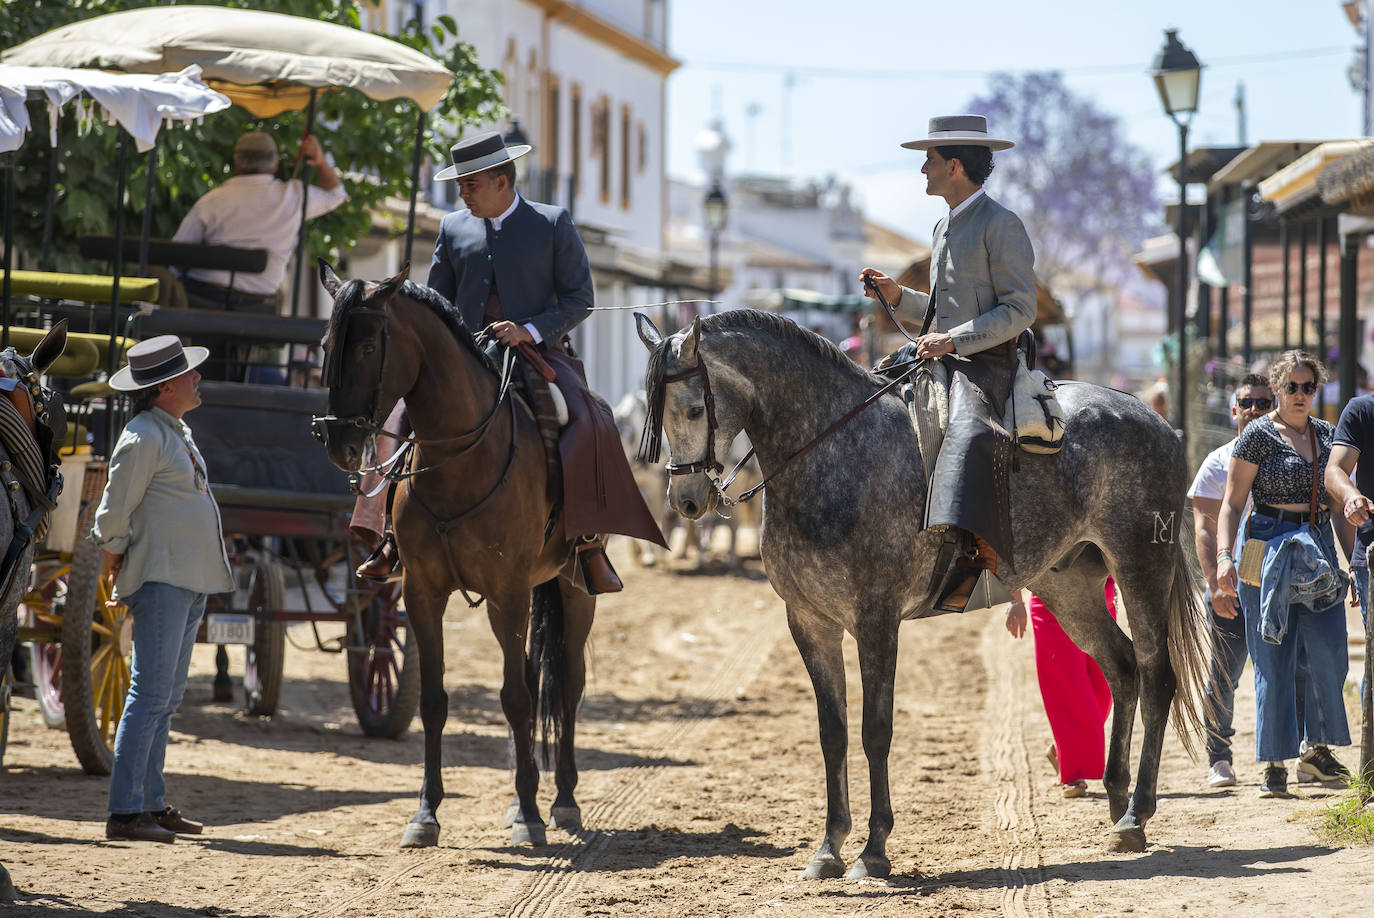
<point x="1270" y="507"/>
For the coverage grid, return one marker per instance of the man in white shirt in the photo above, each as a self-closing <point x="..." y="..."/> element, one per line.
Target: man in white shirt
<point x="256" y="210"/>
<point x="1251" y="399"/>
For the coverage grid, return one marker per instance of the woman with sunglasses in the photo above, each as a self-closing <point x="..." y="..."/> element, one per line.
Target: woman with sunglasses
<point x="1273" y="463"/>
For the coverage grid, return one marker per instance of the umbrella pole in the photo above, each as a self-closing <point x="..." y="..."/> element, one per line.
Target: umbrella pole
<point x="9" y="243"/>
<point x="415" y="182"/>
<point x="50" y="214"/>
<point x="147" y="210"/>
<point x="305" y="194"/>
<point x="118" y="266"/>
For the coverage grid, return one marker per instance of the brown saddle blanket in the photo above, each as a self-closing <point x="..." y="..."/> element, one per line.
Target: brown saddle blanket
<point x="598" y="487"/>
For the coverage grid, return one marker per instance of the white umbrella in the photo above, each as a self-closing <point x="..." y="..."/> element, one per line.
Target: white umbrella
<point x="267" y="63"/>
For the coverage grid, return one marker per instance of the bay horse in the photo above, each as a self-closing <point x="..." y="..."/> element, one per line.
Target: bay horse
<point x="474" y="516"/>
<point x="843" y="543"/>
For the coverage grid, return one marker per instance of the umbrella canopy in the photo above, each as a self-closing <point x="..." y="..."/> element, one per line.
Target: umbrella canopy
<point x="267" y="63"/>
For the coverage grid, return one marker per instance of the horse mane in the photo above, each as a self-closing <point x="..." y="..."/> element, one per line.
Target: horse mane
<point x="351" y="297"/>
<point x="788" y="333"/>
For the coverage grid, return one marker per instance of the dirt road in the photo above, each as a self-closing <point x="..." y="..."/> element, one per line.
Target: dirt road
<point x="702" y="794"/>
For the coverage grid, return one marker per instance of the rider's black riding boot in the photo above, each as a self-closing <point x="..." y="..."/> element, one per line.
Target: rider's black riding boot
<point x="962" y="575"/>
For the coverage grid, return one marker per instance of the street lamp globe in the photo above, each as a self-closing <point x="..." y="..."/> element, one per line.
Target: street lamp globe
<point x="1178" y="77"/>
<point x="516" y="135"/>
<point x="717" y="207"/>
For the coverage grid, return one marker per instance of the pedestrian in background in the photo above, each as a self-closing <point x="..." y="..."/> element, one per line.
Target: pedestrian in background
<point x="159" y="527"/>
<point x="1280" y="461"/>
<point x="1076" y="696"/>
<point x="1252" y="399"/>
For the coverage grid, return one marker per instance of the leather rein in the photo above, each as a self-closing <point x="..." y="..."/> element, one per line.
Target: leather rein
<point x="711" y="467"/>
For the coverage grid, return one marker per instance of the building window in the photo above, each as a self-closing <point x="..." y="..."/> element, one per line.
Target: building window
<point x="552" y="142"/>
<point x="625" y="135"/>
<point x="601" y="144"/>
<point x="575" y="157"/>
<point x="643" y="148"/>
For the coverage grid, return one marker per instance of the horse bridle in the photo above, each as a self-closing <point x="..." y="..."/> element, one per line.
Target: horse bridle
<point x="332" y="375"/>
<point x="709" y="463"/>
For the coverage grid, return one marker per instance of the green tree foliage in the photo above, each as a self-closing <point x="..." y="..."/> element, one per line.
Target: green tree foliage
<point x="372" y="143"/>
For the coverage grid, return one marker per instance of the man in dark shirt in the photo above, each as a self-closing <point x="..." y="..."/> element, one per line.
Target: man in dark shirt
<point x="1353" y="451"/>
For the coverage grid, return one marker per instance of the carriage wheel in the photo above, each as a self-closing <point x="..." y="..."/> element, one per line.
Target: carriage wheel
<point x="43" y="605"/>
<point x="97" y="643"/>
<point x="262" y="673"/>
<point x="383" y="666"/>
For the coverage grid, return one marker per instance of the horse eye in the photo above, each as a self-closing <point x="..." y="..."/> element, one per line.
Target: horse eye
<point x="367" y="348"/>
<point x="695" y="412"/>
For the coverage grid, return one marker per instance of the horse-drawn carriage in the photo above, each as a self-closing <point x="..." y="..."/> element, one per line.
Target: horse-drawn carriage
<point x="284" y="506"/>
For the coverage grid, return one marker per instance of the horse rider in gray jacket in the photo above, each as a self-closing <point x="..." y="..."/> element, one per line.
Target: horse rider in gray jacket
<point x="982" y="297"/>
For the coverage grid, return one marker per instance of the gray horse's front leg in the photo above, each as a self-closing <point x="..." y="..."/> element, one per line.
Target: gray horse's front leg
<point x="821" y="652"/>
<point x="425" y="621"/>
<point x="878" y="665"/>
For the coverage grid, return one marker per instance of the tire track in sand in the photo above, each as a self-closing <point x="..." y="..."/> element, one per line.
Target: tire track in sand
<point x="1005" y="750"/>
<point x="619" y="799"/>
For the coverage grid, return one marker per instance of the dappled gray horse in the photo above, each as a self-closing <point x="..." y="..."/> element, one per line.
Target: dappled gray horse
<point x="843" y="545"/>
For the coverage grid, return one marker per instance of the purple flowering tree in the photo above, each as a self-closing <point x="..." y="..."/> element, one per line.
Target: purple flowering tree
<point x="1086" y="195"/>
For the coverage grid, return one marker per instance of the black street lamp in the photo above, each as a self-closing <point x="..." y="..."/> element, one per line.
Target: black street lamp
<point x="717" y="208"/>
<point x="1177" y="75"/>
<point x="515" y="135"/>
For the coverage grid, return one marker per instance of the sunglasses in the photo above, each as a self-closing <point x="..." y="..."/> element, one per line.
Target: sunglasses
<point x="1292" y="388"/>
<point x="1263" y="404"/>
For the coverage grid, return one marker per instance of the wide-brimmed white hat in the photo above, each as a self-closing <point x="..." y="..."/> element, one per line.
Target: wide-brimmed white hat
<point x="156" y="360"/>
<point x="958" y="131"/>
<point x="477" y="154"/>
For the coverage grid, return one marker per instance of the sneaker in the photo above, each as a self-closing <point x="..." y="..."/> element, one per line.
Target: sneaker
<point x="1221" y="774"/>
<point x="1073" y="789"/>
<point x="1322" y="765"/>
<point x="1275" y="783"/>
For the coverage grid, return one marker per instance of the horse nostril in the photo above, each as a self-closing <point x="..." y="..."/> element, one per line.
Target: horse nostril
<point x="689" y="507"/>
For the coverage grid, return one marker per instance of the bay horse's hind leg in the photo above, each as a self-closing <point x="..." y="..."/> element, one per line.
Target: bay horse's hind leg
<point x="578" y="612"/>
<point x="424" y="615"/>
<point x="878" y="666"/>
<point x="820" y="645"/>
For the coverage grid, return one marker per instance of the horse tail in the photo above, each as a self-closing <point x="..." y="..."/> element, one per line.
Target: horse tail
<point x="1190" y="653"/>
<point x="549" y="662"/>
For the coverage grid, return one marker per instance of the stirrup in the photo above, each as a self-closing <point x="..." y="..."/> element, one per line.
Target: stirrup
<point x="376" y="567"/>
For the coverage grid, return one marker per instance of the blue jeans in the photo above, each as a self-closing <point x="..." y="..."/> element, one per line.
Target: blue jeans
<point x="1320" y="637"/>
<point x="165" y="622"/>
<point x="1228" y="662"/>
<point x="1360" y="575"/>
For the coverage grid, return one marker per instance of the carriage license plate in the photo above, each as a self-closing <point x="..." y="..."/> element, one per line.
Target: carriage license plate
<point x="229" y="629"/>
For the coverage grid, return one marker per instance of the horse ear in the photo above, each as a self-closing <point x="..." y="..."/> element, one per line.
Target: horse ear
<point x="393" y="283"/>
<point x="689" y="344"/>
<point x="50" y="348"/>
<point x="328" y="278"/>
<point x="648" y="331"/>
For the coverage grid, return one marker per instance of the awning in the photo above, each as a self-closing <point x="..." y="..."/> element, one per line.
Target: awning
<point x="140" y="103"/>
<point x="267" y="63"/>
<point x="1296" y="183"/>
<point x="1350" y="181"/>
<point x="794" y="299"/>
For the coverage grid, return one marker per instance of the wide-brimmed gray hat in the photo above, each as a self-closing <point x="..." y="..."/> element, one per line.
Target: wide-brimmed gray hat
<point x="958" y="131"/>
<point x="479" y="153"/>
<point x="156" y="360"/>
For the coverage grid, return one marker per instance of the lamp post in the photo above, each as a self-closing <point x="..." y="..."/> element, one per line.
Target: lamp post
<point x="717" y="207"/>
<point x="515" y="135"/>
<point x="1177" y="75"/>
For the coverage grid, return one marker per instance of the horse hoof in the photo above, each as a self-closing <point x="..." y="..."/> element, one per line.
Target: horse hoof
<point x="420" y="835"/>
<point x="824" y="867"/>
<point x="527" y="833"/>
<point x="1127" y="841"/>
<point x="512" y="814"/>
<point x="567" y="818"/>
<point x="868" y="866"/>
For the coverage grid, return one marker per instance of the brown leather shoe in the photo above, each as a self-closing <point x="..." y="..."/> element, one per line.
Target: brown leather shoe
<point x="963" y="577"/>
<point x="142" y="827"/>
<point x="384" y="564"/>
<point x="171" y="819"/>
<point x="597" y="572"/>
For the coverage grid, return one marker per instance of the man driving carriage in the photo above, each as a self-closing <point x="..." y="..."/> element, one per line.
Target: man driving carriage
<point x="517" y="270"/>
<point x="982" y="297"/>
